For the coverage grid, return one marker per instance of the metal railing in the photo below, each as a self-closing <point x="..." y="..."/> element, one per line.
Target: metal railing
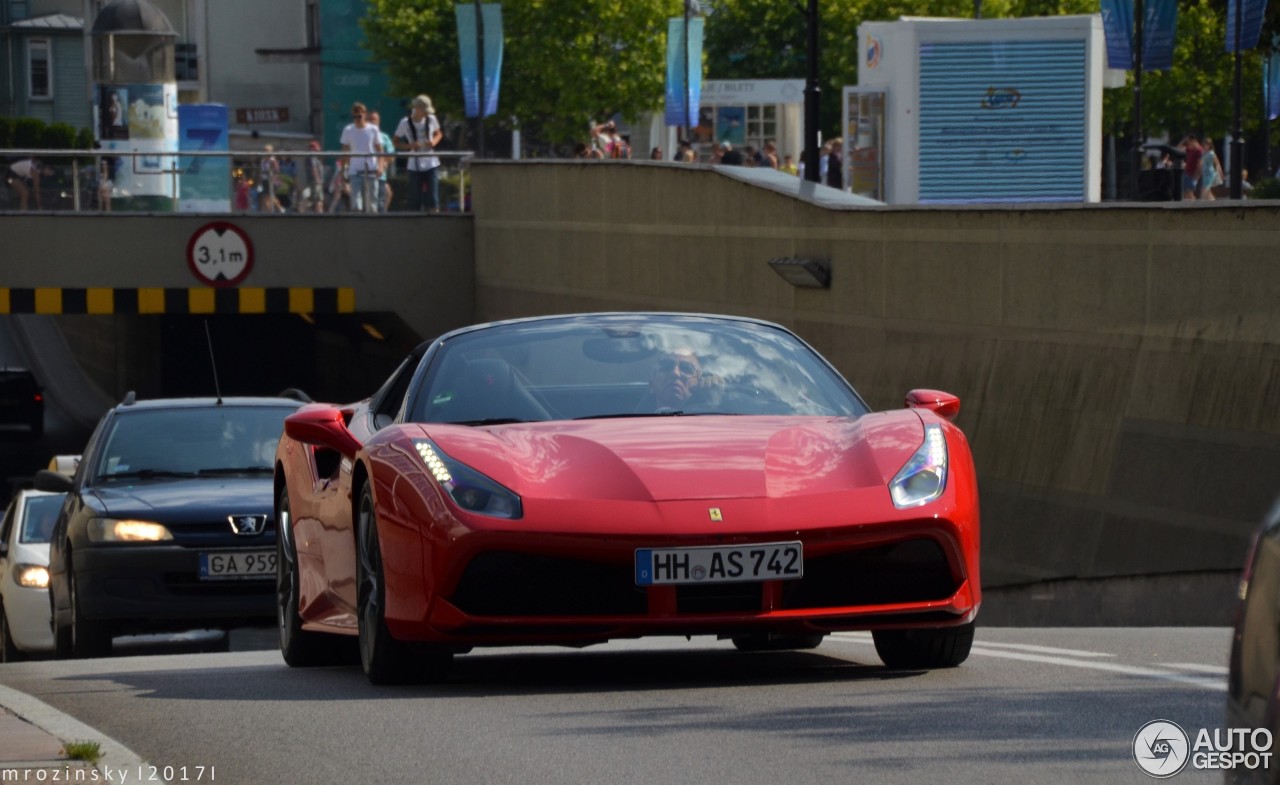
<point x="236" y="181"/>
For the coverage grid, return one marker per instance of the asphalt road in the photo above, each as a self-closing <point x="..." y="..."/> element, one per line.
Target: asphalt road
<point x="1030" y="706"/>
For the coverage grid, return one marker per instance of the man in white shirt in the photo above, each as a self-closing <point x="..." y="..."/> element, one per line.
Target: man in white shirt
<point x="24" y="177"/>
<point x="364" y="142"/>
<point x="417" y="133"/>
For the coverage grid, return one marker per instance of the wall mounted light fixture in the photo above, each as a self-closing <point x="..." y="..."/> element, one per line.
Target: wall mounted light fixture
<point x="810" y="273"/>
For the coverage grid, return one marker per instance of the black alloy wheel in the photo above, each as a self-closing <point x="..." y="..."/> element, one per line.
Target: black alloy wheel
<point x="299" y="647"/>
<point x="924" y="649"/>
<point x="384" y="659"/>
<point x="9" y="651"/>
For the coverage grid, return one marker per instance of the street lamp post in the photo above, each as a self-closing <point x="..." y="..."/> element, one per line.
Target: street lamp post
<point x="1135" y="167"/>
<point x="479" y="81"/>
<point x="812" y="93"/>
<point x="1237" y="138"/>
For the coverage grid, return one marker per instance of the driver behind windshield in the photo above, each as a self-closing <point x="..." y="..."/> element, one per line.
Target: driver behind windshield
<point x="678" y="380"/>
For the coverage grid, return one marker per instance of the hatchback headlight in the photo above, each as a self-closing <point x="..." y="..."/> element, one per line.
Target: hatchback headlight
<point x="924" y="477"/>
<point x="126" y="530"/>
<point x="31" y="576"/>
<point x="469" y="489"/>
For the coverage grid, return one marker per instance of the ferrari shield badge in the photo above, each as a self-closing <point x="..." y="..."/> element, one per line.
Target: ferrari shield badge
<point x="716" y="515"/>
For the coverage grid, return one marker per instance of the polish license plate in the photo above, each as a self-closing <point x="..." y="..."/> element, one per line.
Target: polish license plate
<point x="766" y="561"/>
<point x="232" y="565"/>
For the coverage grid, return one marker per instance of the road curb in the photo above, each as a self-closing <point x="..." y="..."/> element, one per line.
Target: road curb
<point x="61" y="728"/>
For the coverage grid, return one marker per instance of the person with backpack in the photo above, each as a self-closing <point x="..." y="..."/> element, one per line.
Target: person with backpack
<point x="417" y="133"/>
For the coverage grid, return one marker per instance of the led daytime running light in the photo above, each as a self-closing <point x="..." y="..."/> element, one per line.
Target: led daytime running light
<point x="924" y="477"/>
<point x="433" y="462"/>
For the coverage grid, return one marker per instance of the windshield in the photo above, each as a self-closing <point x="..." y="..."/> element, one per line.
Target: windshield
<point x="191" y="441"/>
<point x="39" y="514"/>
<point x="628" y="366"/>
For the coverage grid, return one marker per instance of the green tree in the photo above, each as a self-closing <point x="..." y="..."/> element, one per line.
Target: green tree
<point x="566" y="64"/>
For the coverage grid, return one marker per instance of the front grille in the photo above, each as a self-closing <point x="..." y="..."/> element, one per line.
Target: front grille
<point x="527" y="585"/>
<point x="218" y="534"/>
<point x="910" y="571"/>
<point x="519" y="584"/>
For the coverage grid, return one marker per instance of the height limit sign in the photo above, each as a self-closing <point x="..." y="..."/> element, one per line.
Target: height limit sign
<point x="220" y="254"/>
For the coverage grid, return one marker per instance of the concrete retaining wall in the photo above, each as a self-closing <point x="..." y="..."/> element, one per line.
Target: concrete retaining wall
<point x="1118" y="366"/>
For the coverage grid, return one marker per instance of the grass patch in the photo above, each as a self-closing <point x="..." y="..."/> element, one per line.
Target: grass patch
<point x="89" y="751"/>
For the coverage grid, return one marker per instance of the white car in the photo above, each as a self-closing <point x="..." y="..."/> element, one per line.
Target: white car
<point x="24" y="574"/>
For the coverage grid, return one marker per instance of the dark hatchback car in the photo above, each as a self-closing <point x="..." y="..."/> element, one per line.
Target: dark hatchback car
<point x="168" y="523"/>
<point x="1253" y="672"/>
<point x="21" y="400"/>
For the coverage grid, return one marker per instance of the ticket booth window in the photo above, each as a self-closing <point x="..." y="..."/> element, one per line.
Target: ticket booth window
<point x="741" y="126"/>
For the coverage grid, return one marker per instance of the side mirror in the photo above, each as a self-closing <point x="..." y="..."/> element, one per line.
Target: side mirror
<point x="322" y="426"/>
<point x="945" y="405"/>
<point x="53" y="482"/>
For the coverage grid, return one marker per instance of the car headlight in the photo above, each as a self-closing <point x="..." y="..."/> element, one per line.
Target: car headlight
<point x="32" y="576"/>
<point x="469" y="489"/>
<point x="126" y="530"/>
<point x="923" y="478"/>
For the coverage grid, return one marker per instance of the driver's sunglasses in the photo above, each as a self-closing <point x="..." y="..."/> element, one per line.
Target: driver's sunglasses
<point x="686" y="367"/>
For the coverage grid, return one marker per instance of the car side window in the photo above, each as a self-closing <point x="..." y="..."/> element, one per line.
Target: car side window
<point x="388" y="400"/>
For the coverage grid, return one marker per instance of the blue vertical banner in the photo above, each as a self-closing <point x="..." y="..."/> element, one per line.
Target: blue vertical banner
<point x="1159" y="29"/>
<point x="1251" y="24"/>
<point x="1271" y="85"/>
<point x="682" y="105"/>
<point x="1159" y="26"/>
<point x="1117" y="27"/>
<point x="204" y="184"/>
<point x="468" y="49"/>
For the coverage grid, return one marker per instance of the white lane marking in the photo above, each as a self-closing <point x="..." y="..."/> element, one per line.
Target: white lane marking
<point x="115" y="756"/>
<point x="866" y="638"/>
<point x="1217" y="685"/>
<point x="1220" y="670"/>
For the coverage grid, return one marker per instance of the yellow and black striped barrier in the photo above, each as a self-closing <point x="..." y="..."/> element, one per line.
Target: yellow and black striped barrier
<point x="196" y="300"/>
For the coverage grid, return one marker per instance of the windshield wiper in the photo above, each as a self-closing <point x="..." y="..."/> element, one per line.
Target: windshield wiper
<point x="238" y="470"/>
<point x="145" y="474"/>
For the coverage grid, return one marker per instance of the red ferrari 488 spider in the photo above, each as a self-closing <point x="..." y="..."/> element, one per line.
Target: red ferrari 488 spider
<point x="574" y="479"/>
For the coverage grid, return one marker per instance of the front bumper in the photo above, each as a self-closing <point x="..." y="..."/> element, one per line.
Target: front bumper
<point x="27" y="611"/>
<point x="918" y="576"/>
<point x="158" y="588"/>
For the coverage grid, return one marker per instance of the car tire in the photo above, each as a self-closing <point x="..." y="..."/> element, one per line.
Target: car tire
<point x="300" y="648"/>
<point x="61" y="633"/>
<point x="770" y="642"/>
<point x="88" y="638"/>
<point x="9" y="651"/>
<point x="384" y="659"/>
<point x="924" y="649"/>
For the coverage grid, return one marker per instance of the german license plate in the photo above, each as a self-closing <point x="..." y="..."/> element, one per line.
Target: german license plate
<point x="766" y="561"/>
<point x="230" y="565"/>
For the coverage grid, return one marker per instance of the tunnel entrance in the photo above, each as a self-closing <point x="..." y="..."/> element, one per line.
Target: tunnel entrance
<point x="86" y="364"/>
<point x="333" y="357"/>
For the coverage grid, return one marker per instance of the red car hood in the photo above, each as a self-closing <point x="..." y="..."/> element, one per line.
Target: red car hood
<point x="674" y="458"/>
